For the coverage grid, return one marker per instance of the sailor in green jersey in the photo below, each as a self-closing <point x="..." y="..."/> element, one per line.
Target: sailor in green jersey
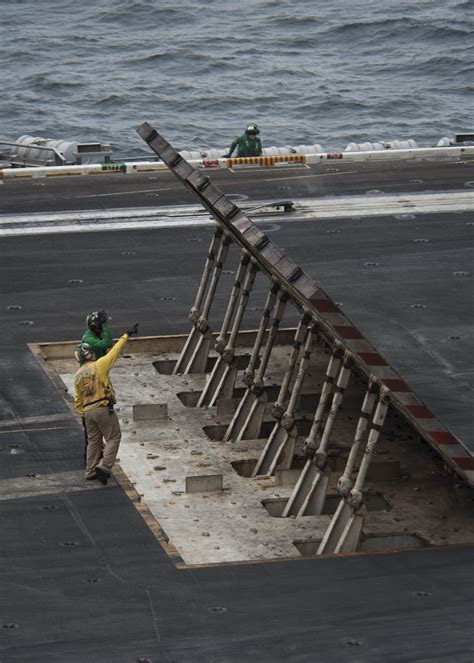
<point x="97" y="334"/>
<point x="248" y="145"/>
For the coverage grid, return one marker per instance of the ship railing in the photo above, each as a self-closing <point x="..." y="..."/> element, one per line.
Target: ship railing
<point x="27" y="148"/>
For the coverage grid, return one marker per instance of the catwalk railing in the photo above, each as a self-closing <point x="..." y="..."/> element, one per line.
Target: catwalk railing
<point x="321" y="322"/>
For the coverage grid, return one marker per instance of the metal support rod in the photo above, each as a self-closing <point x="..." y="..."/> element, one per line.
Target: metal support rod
<point x="346" y="526"/>
<point x="331" y="373"/>
<point x="211" y="256"/>
<point x="320" y="457"/>
<point x="300" y="336"/>
<point x="195" y="336"/>
<point x="280" y="447"/>
<point x="288" y="420"/>
<point x="253" y="421"/>
<point x="197" y="361"/>
<point x="234" y="294"/>
<point x="344" y="511"/>
<point x="309" y="494"/>
<point x="248" y="417"/>
<point x="222" y="379"/>
<point x="249" y="373"/>
<point x="203" y="323"/>
<point x="345" y="481"/>
<point x="244" y="298"/>
<point x="374" y="434"/>
<point x="257" y="385"/>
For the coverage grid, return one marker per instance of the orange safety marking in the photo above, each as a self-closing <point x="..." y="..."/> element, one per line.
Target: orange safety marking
<point x="266" y="161"/>
<point x="62" y="174"/>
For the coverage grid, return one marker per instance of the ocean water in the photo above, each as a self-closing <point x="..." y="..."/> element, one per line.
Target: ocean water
<point x="307" y="71"/>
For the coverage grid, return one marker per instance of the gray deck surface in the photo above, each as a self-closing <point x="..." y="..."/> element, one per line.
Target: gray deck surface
<point x="411" y="606"/>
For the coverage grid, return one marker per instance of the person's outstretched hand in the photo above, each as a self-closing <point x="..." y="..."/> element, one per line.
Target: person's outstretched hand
<point x="133" y="330"/>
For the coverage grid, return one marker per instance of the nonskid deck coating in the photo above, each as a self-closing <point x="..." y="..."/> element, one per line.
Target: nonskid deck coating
<point x="411" y="606"/>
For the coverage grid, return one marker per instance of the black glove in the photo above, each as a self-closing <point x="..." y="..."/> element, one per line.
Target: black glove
<point x="226" y="156"/>
<point x="133" y="330"/>
<point x="103" y="317"/>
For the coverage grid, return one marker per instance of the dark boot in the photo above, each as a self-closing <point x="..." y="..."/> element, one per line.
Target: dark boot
<point x="102" y="475"/>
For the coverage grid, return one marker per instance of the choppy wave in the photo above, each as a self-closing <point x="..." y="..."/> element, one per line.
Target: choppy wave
<point x="306" y="71"/>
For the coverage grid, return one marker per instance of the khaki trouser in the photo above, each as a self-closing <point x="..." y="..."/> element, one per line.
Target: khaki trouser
<point x="101" y="424"/>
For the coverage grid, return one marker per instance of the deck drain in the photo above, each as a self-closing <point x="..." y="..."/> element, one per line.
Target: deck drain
<point x="26" y="323"/>
<point x="92" y="580"/>
<point x="404" y="217"/>
<point x="353" y="643"/>
<point x="455" y="338"/>
<point x="50" y="507"/>
<point x="421" y="594"/>
<point x="128" y="253"/>
<point x="69" y="544"/>
<point x="373" y="191"/>
<point x="237" y="196"/>
<point x="272" y="228"/>
<point x="421" y="240"/>
<point x="168" y="299"/>
<point x="143" y="659"/>
<point x="416" y="181"/>
<point x="418" y="306"/>
<point x="32" y="475"/>
<point x="284" y="188"/>
<point x="461" y="273"/>
<point x="194" y="239"/>
<point x="217" y="608"/>
<point x="75" y="281"/>
<point x="371" y="264"/>
<point x="227" y="271"/>
<point x="332" y="232"/>
<point x="14" y="307"/>
<point x="10" y="626"/>
<point x="257" y="308"/>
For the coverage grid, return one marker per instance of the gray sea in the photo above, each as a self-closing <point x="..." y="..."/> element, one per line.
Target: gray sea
<point x="307" y="71"/>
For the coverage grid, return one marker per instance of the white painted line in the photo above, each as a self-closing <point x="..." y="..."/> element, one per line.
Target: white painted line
<point x="27" y="421"/>
<point x="45" y="484"/>
<point x="304" y="177"/>
<point x="190" y="215"/>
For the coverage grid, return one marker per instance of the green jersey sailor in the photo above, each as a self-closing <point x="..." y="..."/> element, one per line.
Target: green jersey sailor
<point x="248" y="144"/>
<point x="97" y="335"/>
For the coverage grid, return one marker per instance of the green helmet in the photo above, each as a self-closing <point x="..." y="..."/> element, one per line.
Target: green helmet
<point x="84" y="352"/>
<point x="94" y="321"/>
<point x="252" y="129"/>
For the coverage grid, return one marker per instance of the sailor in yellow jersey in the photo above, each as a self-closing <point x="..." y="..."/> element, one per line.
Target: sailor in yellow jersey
<point x="94" y="399"/>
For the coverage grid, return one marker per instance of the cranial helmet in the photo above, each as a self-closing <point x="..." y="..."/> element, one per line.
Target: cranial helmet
<point x="94" y="321"/>
<point x="84" y="352"/>
<point x="252" y="129"/>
